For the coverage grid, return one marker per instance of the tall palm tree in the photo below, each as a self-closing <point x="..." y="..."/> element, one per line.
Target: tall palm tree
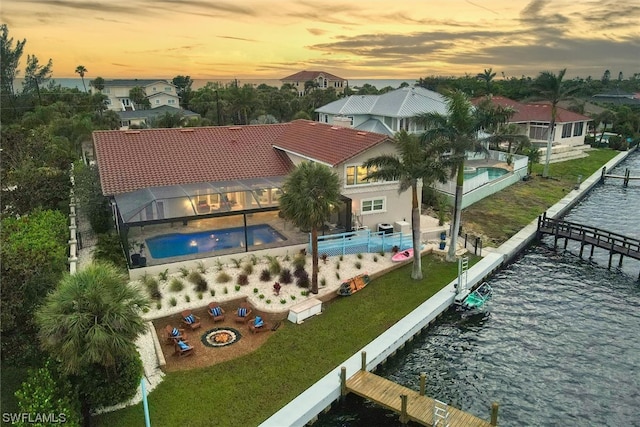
<point x="551" y="88"/>
<point x="310" y="192"/>
<point x="487" y="76"/>
<point x="414" y="162"/>
<point x="80" y="69"/>
<point x="459" y="127"/>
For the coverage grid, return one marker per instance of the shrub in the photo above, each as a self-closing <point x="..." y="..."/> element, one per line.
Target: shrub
<point x="226" y="291"/>
<point x="274" y="265"/>
<point x="324" y="257"/>
<point x="236" y="262"/>
<point x="303" y="280"/>
<point x="176" y="285"/>
<point x="255" y="290"/>
<point x="237" y="288"/>
<point x="304" y="293"/>
<point x="337" y="275"/>
<point x="199" y="295"/>
<point x="212" y="292"/>
<point x="358" y="265"/>
<point x="299" y="261"/>
<point x="159" y="305"/>
<point x="299" y="272"/>
<point x="375" y="258"/>
<point x="187" y="298"/>
<point x="200" y="282"/>
<point x="265" y="275"/>
<point x="184" y="271"/>
<point x="248" y="269"/>
<point x="243" y="279"/>
<point x="381" y="252"/>
<point x="287" y="258"/>
<point x="219" y="265"/>
<point x="341" y="257"/>
<point x="163" y="275"/>
<point x="254" y="259"/>
<point x="268" y="301"/>
<point x="173" y="301"/>
<point x="261" y="296"/>
<point x="285" y="276"/>
<point x="323" y="282"/>
<point x="337" y="265"/>
<point x="152" y="286"/>
<point x="359" y="256"/>
<point x="201" y="268"/>
<point x="223" y="277"/>
<point x="283" y="301"/>
<point x="293" y="297"/>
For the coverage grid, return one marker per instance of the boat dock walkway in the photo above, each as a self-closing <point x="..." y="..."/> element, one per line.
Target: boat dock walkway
<point x="410" y="404"/>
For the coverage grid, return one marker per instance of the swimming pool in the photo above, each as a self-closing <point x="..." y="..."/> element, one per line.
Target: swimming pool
<point x="494" y="173"/>
<point x="178" y="244"/>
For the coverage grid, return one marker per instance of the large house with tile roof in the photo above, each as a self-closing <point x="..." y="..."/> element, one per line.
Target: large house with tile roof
<point x="212" y="178"/>
<point x="322" y="79"/>
<point x="158" y="92"/>
<point x="387" y="113"/>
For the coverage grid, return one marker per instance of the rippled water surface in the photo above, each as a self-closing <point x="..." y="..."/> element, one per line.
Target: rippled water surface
<point x="558" y="344"/>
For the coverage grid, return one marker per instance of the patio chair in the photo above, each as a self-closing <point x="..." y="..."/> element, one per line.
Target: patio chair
<point x="183" y="348"/>
<point x="174" y="334"/>
<point x="257" y="324"/>
<point x="243" y="314"/>
<point x="191" y="320"/>
<point x="216" y="312"/>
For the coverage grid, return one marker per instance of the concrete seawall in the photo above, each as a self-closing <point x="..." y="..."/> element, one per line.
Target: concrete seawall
<point x="320" y="396"/>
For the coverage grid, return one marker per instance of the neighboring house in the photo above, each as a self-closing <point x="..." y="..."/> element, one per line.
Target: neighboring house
<point x="213" y="177"/>
<point x="144" y="118"/>
<point x="322" y="80"/>
<point x="387" y="113"/>
<point x="159" y="93"/>
<point x="533" y="119"/>
<point x="617" y="97"/>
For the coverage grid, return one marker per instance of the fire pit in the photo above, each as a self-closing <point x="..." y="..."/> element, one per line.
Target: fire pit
<point x="220" y="337"/>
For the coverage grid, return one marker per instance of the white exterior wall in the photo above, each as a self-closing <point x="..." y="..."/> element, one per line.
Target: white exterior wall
<point x="163" y="99"/>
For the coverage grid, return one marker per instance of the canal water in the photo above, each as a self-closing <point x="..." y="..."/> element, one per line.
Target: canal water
<point x="557" y="345"/>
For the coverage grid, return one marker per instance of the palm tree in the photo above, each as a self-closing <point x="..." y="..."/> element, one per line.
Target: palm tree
<point x="80" y="69"/>
<point x="551" y="88"/>
<point x="459" y="127"/>
<point x="414" y="162"/>
<point x="89" y="324"/>
<point x="487" y="76"/>
<point x="310" y="192"/>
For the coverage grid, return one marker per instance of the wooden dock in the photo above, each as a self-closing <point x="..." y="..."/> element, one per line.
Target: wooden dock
<point x="616" y="244"/>
<point x="625" y="178"/>
<point x="410" y="404"/>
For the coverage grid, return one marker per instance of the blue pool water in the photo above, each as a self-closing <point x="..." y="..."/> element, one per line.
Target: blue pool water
<point x="178" y="244"/>
<point x="494" y="173"/>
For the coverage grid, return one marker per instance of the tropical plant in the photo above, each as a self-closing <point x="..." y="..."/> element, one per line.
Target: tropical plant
<point x="459" y="130"/>
<point x="176" y="285"/>
<point x="551" y="88"/>
<point x="310" y="192"/>
<point x="81" y="70"/>
<point x="223" y="277"/>
<point x="265" y="275"/>
<point x="414" y="162"/>
<point x="89" y="324"/>
<point x="285" y="276"/>
<point x="487" y="76"/>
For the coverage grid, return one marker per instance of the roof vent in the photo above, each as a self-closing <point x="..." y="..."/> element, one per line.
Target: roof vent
<point x="335" y="127"/>
<point x="131" y="131"/>
<point x="235" y="128"/>
<point x="187" y="130"/>
<point x="361" y="133"/>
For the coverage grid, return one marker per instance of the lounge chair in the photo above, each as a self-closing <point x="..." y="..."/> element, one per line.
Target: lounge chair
<point x="174" y="334"/>
<point x="243" y="314"/>
<point x="257" y="324"/>
<point x="183" y="348"/>
<point x="191" y="320"/>
<point x="215" y="312"/>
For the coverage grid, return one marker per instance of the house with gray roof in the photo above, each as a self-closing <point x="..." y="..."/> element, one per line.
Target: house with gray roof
<point x="387" y="113"/>
<point x="145" y="118"/>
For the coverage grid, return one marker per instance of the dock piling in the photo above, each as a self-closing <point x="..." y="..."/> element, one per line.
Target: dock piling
<point x="494" y="413"/>
<point x="423" y="383"/>
<point x="404" y="418"/>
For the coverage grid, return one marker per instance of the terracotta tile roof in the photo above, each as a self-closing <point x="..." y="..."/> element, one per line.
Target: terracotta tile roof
<point x="131" y="160"/>
<point x="303" y="76"/>
<point x="535" y="112"/>
<point x="136" y="159"/>
<point x="326" y="143"/>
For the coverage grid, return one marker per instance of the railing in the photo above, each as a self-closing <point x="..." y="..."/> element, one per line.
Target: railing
<point x="361" y="241"/>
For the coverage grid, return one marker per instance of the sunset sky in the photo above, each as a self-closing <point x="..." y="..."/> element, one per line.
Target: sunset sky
<point x="359" y="39"/>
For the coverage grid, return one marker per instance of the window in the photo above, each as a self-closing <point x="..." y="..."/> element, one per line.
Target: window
<point x="326" y="118"/>
<point x="539" y="131"/>
<point x="578" y="128"/>
<point x="373" y="205"/>
<point x="125" y="123"/>
<point x="356" y="174"/>
<point x="167" y="88"/>
<point x="566" y="130"/>
<point x="154" y="89"/>
<point x="171" y="101"/>
<point x="157" y="101"/>
<point x="404" y="124"/>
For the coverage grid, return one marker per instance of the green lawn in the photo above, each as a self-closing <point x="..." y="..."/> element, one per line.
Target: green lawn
<point x="503" y="214"/>
<point x="248" y="390"/>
